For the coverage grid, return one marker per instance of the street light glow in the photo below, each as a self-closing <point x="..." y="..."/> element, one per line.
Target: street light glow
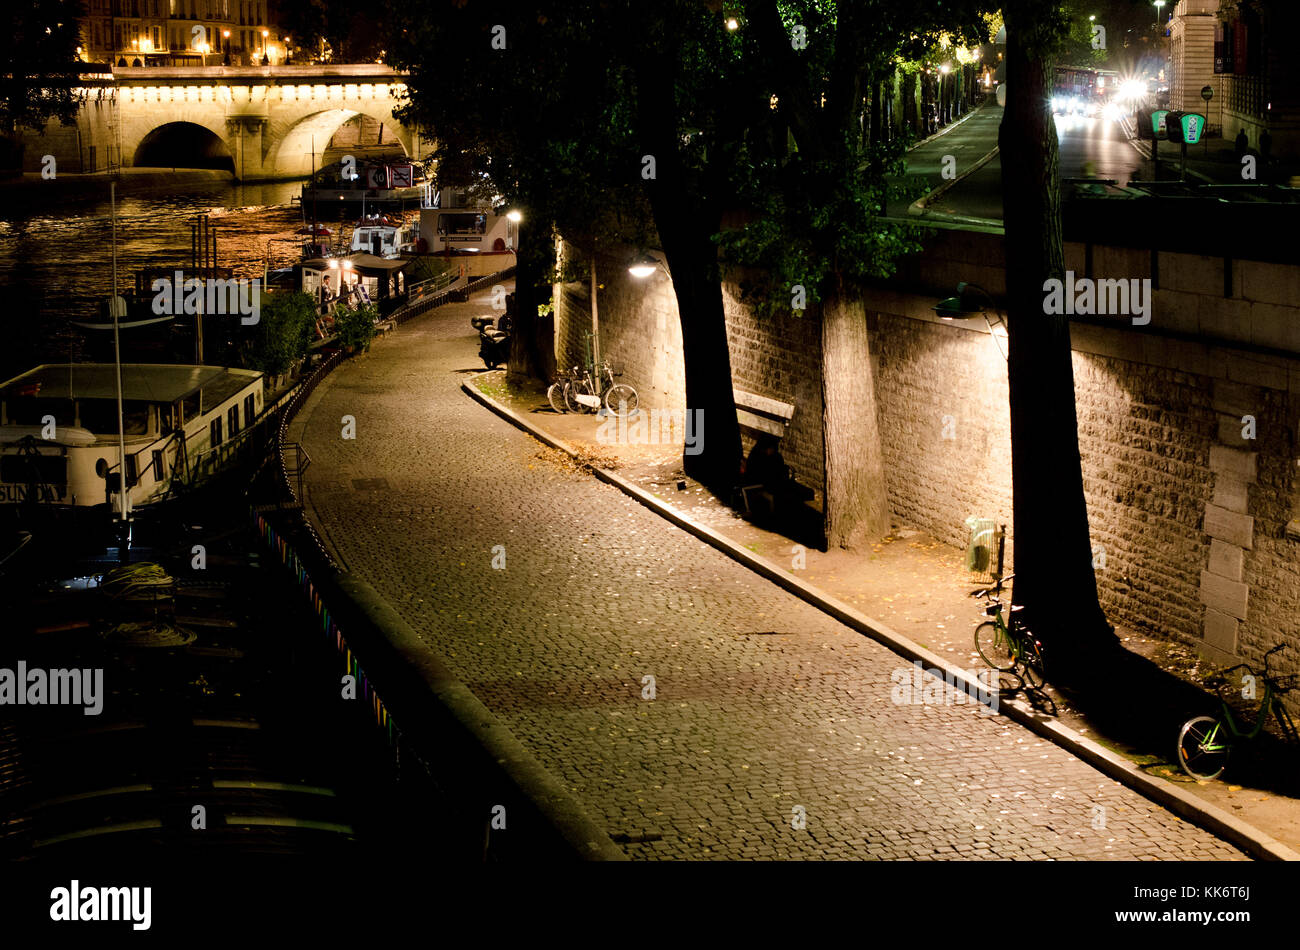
<point x="643" y="266"/>
<point x="514" y="215"/>
<point x="732" y="23"/>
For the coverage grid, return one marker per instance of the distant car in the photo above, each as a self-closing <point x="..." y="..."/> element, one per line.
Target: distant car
<point x="1067" y="103"/>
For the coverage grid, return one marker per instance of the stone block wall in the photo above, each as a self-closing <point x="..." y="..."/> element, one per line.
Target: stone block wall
<point x="1189" y="518"/>
<point x="1195" y="524"/>
<point x="780" y="357"/>
<point x="941" y="396"/>
<point x="640" y="332"/>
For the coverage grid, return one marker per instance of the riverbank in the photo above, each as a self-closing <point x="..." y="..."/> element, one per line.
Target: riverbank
<point x="130" y="180"/>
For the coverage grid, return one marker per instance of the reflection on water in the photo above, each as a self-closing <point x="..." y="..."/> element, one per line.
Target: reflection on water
<point x="56" y="258"/>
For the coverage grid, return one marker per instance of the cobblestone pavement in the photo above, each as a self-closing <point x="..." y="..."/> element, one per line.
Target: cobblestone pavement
<point x="763" y="705"/>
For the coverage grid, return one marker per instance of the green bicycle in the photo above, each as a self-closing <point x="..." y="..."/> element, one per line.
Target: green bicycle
<point x="1204" y="742"/>
<point x="1006" y="644"/>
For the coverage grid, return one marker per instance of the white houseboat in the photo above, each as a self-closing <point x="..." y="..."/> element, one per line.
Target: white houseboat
<point x="460" y="225"/>
<point x="375" y="184"/>
<point x="59" y="429"/>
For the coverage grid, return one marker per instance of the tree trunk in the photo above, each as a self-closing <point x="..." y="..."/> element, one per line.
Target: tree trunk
<point x="1053" y="555"/>
<point x="856" y="504"/>
<point x="530" y="357"/>
<point x="910" y="118"/>
<point x="692" y="259"/>
<point x="686" y="222"/>
<point x="877" y="112"/>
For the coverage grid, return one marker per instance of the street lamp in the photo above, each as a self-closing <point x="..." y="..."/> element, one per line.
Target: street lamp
<point x="514" y="215"/>
<point x="967" y="305"/>
<point x="643" y="265"/>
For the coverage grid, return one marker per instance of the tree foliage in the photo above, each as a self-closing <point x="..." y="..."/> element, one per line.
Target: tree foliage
<point x="813" y="207"/>
<point x="355" y="326"/>
<point x="283" y="332"/>
<point x="38" y="64"/>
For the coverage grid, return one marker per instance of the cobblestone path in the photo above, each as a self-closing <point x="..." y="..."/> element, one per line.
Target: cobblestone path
<point x="763" y="705"/>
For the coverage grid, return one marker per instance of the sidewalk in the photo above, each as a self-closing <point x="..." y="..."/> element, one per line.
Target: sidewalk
<point x="915" y="585"/>
<point x="1215" y="161"/>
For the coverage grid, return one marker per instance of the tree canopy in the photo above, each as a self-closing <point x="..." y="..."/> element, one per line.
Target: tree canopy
<point x="39" y="64"/>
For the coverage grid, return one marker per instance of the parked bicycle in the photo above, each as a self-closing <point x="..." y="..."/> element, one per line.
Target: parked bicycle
<point x="576" y="391"/>
<point x="1205" y="741"/>
<point x="1004" y="643"/>
<point x="557" y="392"/>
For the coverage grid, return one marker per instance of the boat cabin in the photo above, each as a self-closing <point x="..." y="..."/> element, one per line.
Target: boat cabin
<point x="59" y="428"/>
<point x="355" y="279"/>
<point x="378" y="235"/>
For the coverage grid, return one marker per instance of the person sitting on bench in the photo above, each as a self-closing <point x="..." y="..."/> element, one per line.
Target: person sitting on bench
<point x="766" y="466"/>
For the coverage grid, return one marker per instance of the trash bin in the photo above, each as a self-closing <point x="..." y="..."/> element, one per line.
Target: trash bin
<point x="982" y="549"/>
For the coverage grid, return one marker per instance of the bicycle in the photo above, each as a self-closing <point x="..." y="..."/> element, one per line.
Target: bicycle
<point x="582" y="394"/>
<point x="1008" y="647"/>
<point x="1205" y="741"/>
<point x="557" y="394"/>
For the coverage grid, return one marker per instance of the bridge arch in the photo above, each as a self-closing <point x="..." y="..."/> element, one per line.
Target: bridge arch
<point x="183" y="144"/>
<point x="294" y="141"/>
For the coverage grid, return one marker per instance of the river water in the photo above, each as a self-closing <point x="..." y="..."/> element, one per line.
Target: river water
<point x="56" y="251"/>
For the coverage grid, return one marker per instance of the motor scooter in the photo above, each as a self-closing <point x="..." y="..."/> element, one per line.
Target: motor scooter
<point x="493" y="341"/>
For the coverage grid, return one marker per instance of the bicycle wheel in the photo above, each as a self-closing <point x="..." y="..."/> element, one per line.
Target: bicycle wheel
<point x="1203" y="747"/>
<point x="1031" y="663"/>
<point x="621" y="398"/>
<point x="555" y="396"/>
<point x="576" y="388"/>
<point x="994" y="647"/>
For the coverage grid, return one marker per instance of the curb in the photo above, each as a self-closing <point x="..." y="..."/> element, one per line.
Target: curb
<point x="429" y="677"/>
<point x="920" y="207"/>
<point x="1215" y="820"/>
<point x="419" y="673"/>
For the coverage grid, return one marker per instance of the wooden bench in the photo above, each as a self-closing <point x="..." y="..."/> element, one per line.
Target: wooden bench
<point x="761" y="414"/>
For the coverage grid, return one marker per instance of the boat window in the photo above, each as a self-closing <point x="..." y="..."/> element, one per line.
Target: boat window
<point x="250" y="409"/>
<point x="190" y="408"/>
<point x="462" y="223"/>
<point x="100" y="416"/>
<point x="214" y="432"/>
<point x="232" y="419"/>
<point x="31" y="411"/>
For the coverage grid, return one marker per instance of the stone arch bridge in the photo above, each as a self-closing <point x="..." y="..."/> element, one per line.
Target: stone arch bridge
<point x="269" y="119"/>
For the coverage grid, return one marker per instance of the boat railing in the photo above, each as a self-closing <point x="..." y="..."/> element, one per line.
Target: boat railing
<point x="430" y="286"/>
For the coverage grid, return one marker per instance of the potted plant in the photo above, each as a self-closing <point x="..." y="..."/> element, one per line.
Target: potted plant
<point x="355" y="328"/>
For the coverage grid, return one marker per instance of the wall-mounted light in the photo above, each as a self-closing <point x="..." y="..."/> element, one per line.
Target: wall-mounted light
<point x="969" y="304"/>
<point x="643" y="265"/>
<point x="514" y="215"/>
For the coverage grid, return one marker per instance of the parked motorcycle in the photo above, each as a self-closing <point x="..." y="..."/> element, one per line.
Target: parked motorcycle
<point x="493" y="341"/>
